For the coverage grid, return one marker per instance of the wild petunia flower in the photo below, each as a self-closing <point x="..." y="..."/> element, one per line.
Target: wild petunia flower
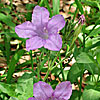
<point x="43" y="91"/>
<point x="42" y="31"/>
<point x="82" y="19"/>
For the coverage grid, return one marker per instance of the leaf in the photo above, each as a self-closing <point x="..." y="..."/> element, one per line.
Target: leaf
<point x="95" y="32"/>
<point x="7" y="19"/>
<point x="75" y="95"/>
<point x="29" y="14"/>
<point x="24" y="88"/>
<point x="93" y="46"/>
<point x="56" y="5"/>
<point x="7" y="88"/>
<point x="7" y="47"/>
<point x="13" y="98"/>
<point x="84" y="58"/>
<point x="12" y="65"/>
<point x="91" y="3"/>
<point x="91" y="67"/>
<point x="5" y="10"/>
<point x="25" y="77"/>
<point x="98" y="57"/>
<point x="79" y="5"/>
<point x="74" y="72"/>
<point x="91" y="94"/>
<point x="49" y="9"/>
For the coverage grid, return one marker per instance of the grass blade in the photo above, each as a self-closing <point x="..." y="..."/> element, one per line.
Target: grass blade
<point x="7" y="47"/>
<point x="79" y="5"/>
<point x="12" y="64"/>
<point x="56" y="4"/>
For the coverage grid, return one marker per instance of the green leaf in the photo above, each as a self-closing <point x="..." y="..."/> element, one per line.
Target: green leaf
<point x="7" y="88"/>
<point x="79" y="5"/>
<point x="93" y="46"/>
<point x="7" y="47"/>
<point x="75" y="95"/>
<point x="24" y="88"/>
<point x="91" y="3"/>
<point x="95" y="32"/>
<point x="1" y="26"/>
<point x="98" y="57"/>
<point x="56" y="5"/>
<point x="5" y="10"/>
<point x="91" y="67"/>
<point x="12" y="64"/>
<point x="74" y="72"/>
<point x="29" y="14"/>
<point x="30" y="6"/>
<point x="7" y="19"/>
<point x="13" y="98"/>
<point x="84" y="58"/>
<point x="49" y="9"/>
<point x="91" y="94"/>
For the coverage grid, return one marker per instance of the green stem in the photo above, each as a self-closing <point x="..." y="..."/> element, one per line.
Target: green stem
<point x="11" y="4"/>
<point x="38" y="69"/>
<point x="49" y="9"/>
<point x="67" y="55"/>
<point x="99" y="71"/>
<point x="3" y="96"/>
<point x="80" y="86"/>
<point x="83" y="29"/>
<point x="83" y="42"/>
<point x="75" y="14"/>
<point x="41" y="2"/>
<point x="38" y="2"/>
<point x="32" y="61"/>
<point x="61" y="67"/>
<point x="50" y="68"/>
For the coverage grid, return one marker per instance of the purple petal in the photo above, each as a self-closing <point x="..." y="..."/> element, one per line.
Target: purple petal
<point x="25" y="30"/>
<point x="54" y="42"/>
<point x="63" y="91"/>
<point x="34" y="43"/>
<point x="40" y="16"/>
<point x="57" y="22"/>
<point x="42" y="91"/>
<point x="31" y="98"/>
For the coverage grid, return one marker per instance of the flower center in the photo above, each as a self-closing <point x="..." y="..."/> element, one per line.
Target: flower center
<point x="52" y="98"/>
<point x="45" y="33"/>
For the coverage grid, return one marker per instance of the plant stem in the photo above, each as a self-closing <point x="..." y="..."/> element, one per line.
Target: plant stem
<point x="38" y="69"/>
<point x="11" y="4"/>
<point x="50" y="68"/>
<point x="61" y="67"/>
<point x="49" y="9"/>
<point x="80" y="86"/>
<point x="67" y="55"/>
<point x="32" y="62"/>
<point x="83" y="29"/>
<point x="75" y="14"/>
<point x="41" y="3"/>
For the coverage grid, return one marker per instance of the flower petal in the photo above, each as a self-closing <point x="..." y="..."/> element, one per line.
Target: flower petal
<point x="31" y="98"/>
<point x="42" y="91"/>
<point x="40" y="16"/>
<point x="34" y="43"/>
<point x="63" y="91"/>
<point x="57" y="22"/>
<point x="25" y="30"/>
<point x="54" y="42"/>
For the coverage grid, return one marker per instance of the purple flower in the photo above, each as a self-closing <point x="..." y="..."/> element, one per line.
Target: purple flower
<point x="82" y="19"/>
<point x="43" y="91"/>
<point x="42" y="31"/>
